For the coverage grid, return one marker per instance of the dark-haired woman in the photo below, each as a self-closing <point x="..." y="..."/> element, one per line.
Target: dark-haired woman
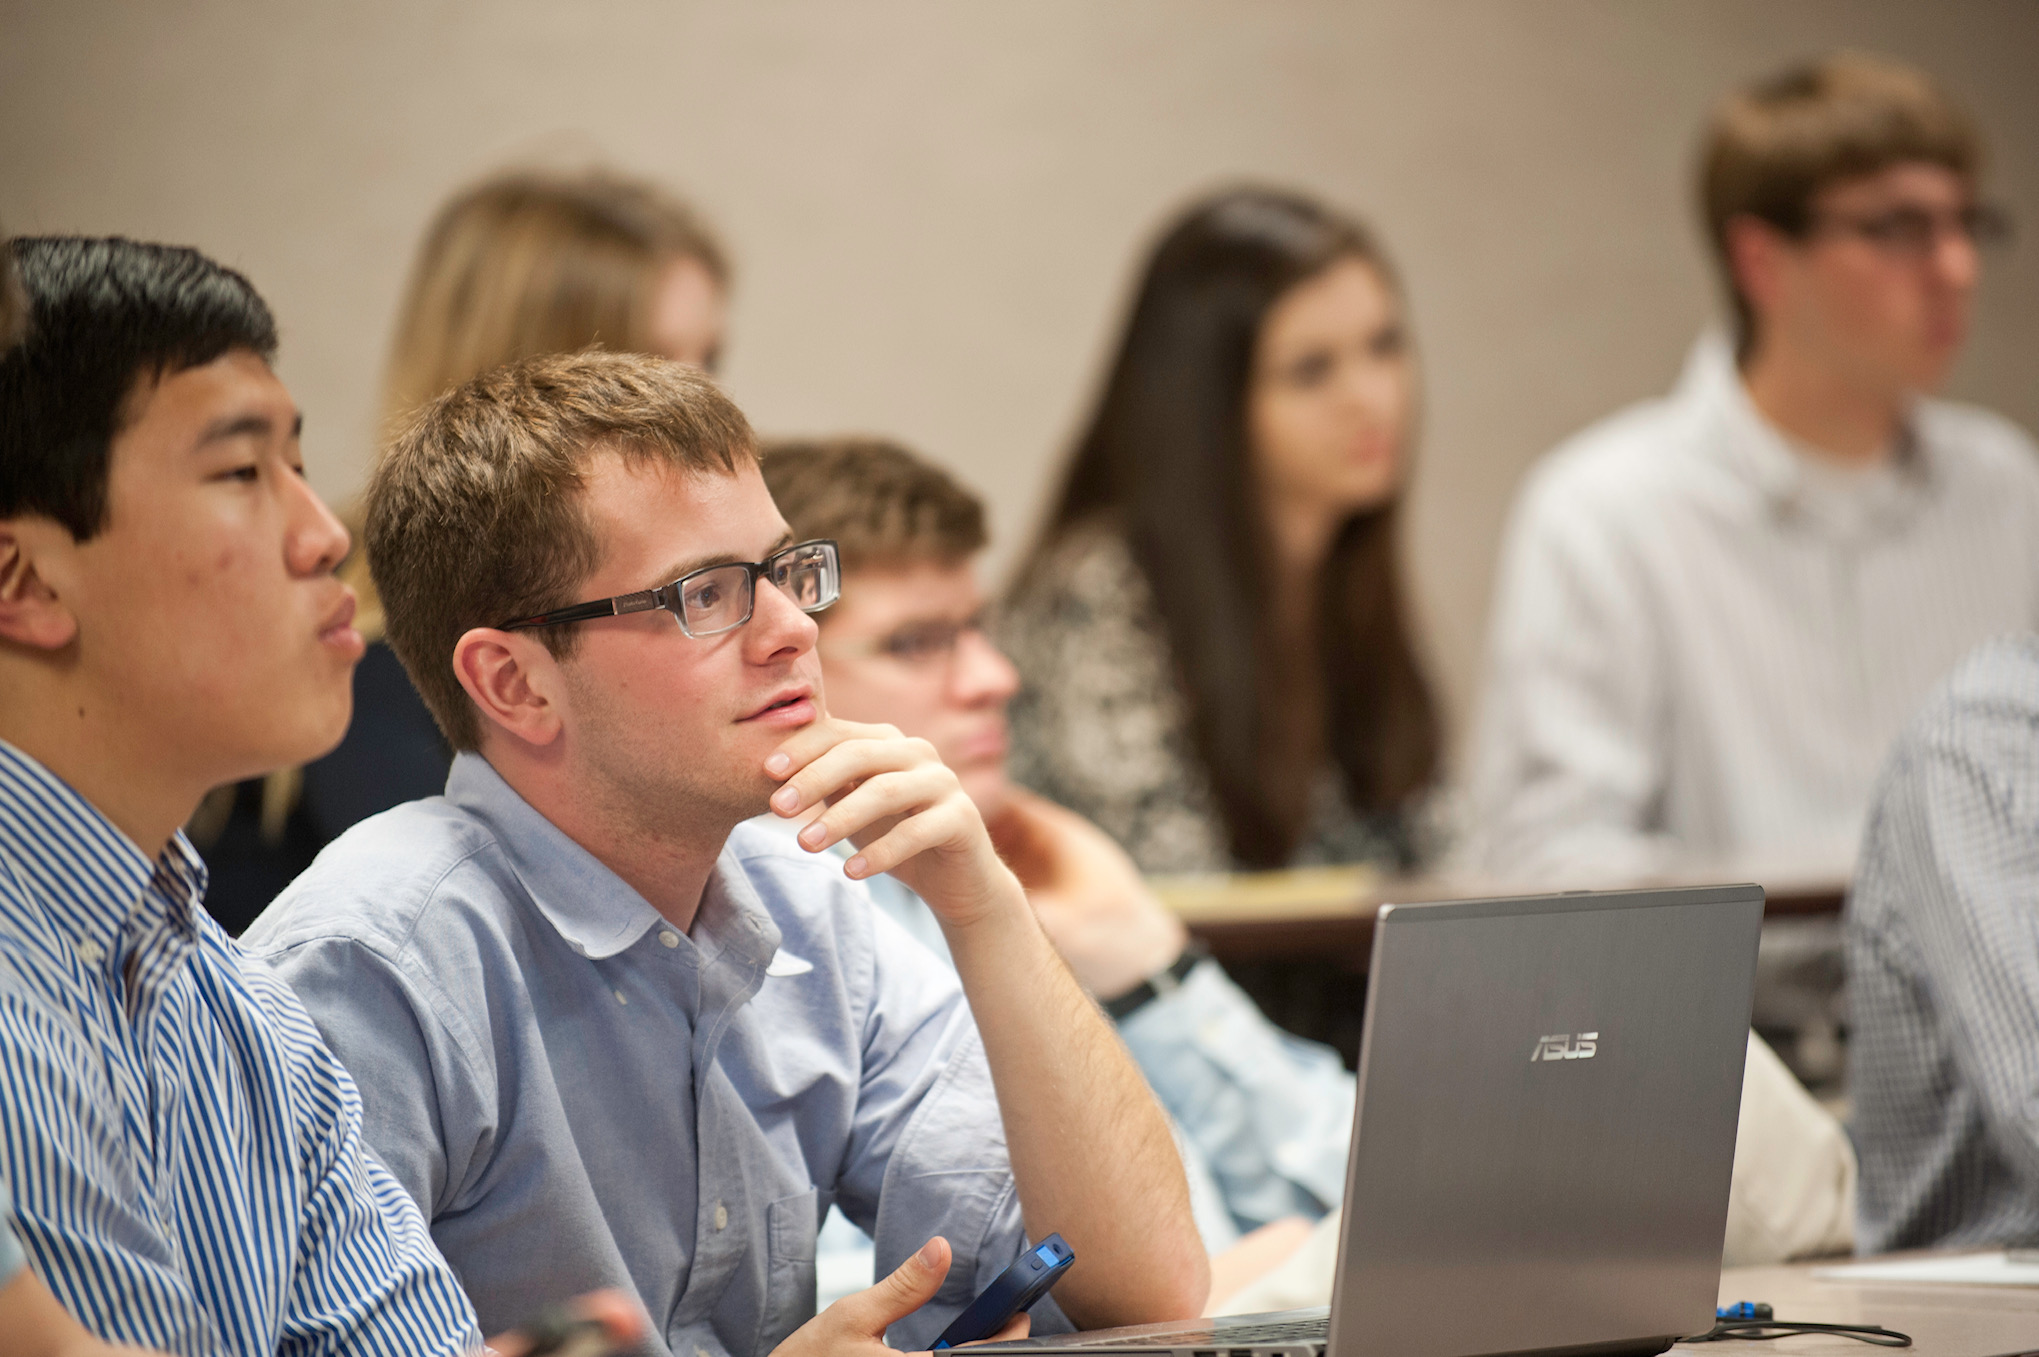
<point x="1217" y="662"/>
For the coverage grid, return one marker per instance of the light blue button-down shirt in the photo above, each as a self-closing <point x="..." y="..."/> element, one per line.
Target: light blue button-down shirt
<point x="1263" y="1116"/>
<point x="185" y="1157"/>
<point x="581" y="1095"/>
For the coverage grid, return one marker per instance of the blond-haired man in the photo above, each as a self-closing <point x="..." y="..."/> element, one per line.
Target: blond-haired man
<point x="1715" y="611"/>
<point x="583" y="1004"/>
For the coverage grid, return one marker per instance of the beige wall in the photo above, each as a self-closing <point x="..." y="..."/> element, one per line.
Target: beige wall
<point x="934" y="206"/>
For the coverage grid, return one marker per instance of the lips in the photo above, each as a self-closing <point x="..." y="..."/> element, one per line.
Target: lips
<point x="337" y="630"/>
<point x="786" y="704"/>
<point x="983" y="746"/>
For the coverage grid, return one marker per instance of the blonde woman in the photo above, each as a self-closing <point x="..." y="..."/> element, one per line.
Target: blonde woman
<point x="522" y="263"/>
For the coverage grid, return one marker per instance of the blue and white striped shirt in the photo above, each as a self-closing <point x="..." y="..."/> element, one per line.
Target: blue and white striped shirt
<point x="185" y="1154"/>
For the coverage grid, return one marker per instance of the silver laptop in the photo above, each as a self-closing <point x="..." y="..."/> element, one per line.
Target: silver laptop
<point x="1548" y="1093"/>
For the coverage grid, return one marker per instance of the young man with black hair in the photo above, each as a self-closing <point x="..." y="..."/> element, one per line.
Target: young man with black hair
<point x="1714" y="612"/>
<point x="30" y="1318"/>
<point x="585" y="1002"/>
<point x="184" y="1154"/>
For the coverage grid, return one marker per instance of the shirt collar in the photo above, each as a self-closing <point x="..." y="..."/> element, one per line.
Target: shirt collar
<point x="597" y="912"/>
<point x="92" y="878"/>
<point x="1792" y="482"/>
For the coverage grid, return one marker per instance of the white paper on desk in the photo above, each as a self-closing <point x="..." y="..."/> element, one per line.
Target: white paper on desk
<point x="1972" y="1269"/>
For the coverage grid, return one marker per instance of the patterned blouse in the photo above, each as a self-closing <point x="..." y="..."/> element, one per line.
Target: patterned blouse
<point x="1101" y="725"/>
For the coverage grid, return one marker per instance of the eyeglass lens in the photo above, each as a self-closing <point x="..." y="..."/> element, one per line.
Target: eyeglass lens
<point x="1914" y="230"/>
<point x="722" y="597"/>
<point x="806" y="574"/>
<point x="928" y="642"/>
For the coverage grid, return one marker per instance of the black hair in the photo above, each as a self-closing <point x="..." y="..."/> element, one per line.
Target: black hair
<point x="13" y="306"/>
<point x="104" y="316"/>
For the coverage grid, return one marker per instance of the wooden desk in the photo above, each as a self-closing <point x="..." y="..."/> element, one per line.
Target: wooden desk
<point x="1325" y="913"/>
<point x="1944" y="1321"/>
<point x="1298" y="941"/>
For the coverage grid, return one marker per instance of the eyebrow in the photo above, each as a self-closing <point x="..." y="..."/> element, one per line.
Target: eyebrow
<point x="240" y="426"/>
<point x="685" y="568"/>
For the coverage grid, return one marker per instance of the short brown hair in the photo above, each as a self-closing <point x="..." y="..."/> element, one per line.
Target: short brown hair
<point x="1772" y="147"/>
<point x="474" y="512"/>
<point x="883" y="505"/>
<point x="532" y="262"/>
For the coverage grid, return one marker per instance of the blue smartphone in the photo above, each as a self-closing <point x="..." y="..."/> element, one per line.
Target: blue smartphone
<point x="1011" y="1291"/>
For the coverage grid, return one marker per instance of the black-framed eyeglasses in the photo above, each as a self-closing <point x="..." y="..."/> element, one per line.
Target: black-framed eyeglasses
<point x="1914" y="231"/>
<point x="719" y="598"/>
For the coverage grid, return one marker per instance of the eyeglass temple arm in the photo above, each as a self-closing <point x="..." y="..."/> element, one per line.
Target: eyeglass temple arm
<point x="643" y="601"/>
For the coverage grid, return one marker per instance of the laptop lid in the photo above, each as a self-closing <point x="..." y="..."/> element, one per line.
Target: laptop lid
<point x="1545" y="1133"/>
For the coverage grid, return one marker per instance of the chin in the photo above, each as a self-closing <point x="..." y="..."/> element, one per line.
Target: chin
<point x="329" y="714"/>
<point x="988" y="789"/>
<point x="1931" y="373"/>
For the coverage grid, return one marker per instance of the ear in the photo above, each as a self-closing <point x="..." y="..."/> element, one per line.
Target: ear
<point x="1758" y="255"/>
<point x="515" y="681"/>
<point x="31" y="614"/>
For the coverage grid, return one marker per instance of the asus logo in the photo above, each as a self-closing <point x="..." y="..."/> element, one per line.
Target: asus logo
<point x="1565" y="1047"/>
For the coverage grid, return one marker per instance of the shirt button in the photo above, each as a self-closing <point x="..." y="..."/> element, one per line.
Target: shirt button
<point x="621" y="998"/>
<point x="90" y="952"/>
<point x="669" y="939"/>
<point x="721" y="1216"/>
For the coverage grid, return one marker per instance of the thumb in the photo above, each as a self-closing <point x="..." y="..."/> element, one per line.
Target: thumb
<point x="911" y="1285"/>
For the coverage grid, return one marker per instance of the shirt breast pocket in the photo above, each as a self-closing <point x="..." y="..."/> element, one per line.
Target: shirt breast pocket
<point x="791" y="1224"/>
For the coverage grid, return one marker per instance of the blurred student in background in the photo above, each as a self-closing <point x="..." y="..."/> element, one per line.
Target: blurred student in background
<point x="1266" y="1115"/>
<point x="520" y="264"/>
<point x="1217" y="664"/>
<point x="1715" y="610"/>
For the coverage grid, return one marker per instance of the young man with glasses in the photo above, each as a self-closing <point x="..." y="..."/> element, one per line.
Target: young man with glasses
<point x="1715" y="611"/>
<point x="586" y="1004"/>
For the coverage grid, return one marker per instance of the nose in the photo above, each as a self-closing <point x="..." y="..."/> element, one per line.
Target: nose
<point x="778" y="630"/>
<point x="1373" y="386"/>
<point x="1956" y="259"/>
<point x="980" y="673"/>
<point x="316" y="541"/>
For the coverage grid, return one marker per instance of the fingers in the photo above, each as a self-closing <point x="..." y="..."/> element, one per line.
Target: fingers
<point x="811" y="741"/>
<point x="911" y="1285"/>
<point x="618" y="1325"/>
<point x="907" y="839"/>
<point x="847" y="763"/>
<point x="618" y="1315"/>
<point x="879" y="799"/>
